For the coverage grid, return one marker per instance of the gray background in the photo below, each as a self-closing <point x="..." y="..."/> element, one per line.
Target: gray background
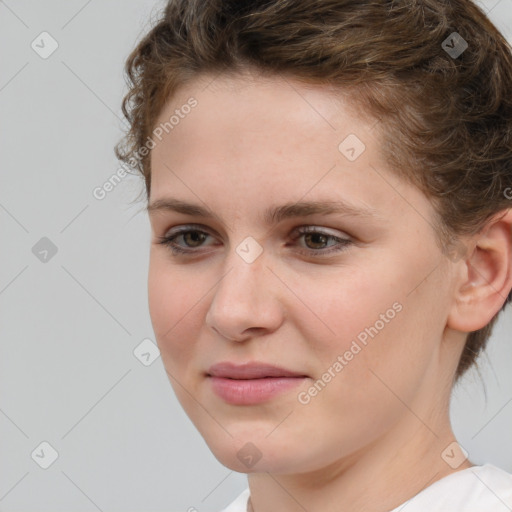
<point x="69" y="325"/>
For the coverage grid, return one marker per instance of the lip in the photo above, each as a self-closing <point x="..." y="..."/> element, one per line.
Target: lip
<point x="251" y="370"/>
<point x="251" y="383"/>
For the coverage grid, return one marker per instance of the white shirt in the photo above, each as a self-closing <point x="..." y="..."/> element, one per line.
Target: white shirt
<point x="477" y="489"/>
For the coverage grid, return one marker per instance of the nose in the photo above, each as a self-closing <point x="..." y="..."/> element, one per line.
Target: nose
<point x="246" y="301"/>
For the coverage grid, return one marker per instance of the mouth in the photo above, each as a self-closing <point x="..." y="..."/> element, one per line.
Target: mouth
<point x="251" y="383"/>
<point x="251" y="370"/>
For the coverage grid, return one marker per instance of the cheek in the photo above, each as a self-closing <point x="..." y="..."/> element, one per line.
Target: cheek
<point x="173" y="305"/>
<point x="355" y="304"/>
<point x="381" y="315"/>
<point x="376" y="327"/>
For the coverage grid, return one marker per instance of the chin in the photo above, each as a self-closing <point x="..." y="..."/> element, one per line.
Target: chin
<point x="253" y="454"/>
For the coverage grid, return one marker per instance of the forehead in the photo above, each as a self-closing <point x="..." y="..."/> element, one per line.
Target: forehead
<point x="262" y="103"/>
<point x="259" y="119"/>
<point x="269" y="140"/>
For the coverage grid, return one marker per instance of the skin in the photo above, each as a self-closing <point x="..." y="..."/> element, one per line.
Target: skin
<point x="375" y="435"/>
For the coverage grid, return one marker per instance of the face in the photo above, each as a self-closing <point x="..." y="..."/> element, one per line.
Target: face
<point x="350" y="305"/>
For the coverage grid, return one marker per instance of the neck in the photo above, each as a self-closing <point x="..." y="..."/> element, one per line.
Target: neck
<point x="379" y="478"/>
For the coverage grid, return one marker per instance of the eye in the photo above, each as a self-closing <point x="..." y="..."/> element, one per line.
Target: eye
<point x="315" y="240"/>
<point x="192" y="237"/>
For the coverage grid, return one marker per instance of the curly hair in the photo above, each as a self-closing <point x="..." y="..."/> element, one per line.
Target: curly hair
<point x="437" y="74"/>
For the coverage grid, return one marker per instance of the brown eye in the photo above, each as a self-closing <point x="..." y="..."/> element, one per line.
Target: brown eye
<point x="194" y="238"/>
<point x="191" y="238"/>
<point x="316" y="241"/>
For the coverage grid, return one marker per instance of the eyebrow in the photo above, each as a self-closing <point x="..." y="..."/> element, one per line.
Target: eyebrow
<point x="272" y="215"/>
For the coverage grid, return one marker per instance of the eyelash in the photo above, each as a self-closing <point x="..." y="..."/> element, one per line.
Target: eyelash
<point x="343" y="243"/>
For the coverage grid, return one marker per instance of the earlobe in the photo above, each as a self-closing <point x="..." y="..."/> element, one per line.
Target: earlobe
<point x="486" y="275"/>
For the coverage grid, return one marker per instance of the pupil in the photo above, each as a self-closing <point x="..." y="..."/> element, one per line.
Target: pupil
<point x="319" y="235"/>
<point x="195" y="235"/>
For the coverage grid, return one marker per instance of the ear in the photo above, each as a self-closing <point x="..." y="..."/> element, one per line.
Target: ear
<point x="485" y="275"/>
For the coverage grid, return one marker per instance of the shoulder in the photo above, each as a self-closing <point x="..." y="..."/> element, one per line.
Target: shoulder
<point x="239" y="504"/>
<point x="473" y="489"/>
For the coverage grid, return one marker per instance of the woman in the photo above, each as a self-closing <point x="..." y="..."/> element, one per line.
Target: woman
<point x="328" y="185"/>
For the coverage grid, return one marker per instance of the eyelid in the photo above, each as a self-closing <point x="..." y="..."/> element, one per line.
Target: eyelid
<point x="184" y="228"/>
<point x="298" y="230"/>
<point x="320" y="229"/>
<point x="342" y="242"/>
<point x="306" y="227"/>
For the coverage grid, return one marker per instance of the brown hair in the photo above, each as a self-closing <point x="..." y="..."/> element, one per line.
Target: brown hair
<point x="446" y="117"/>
